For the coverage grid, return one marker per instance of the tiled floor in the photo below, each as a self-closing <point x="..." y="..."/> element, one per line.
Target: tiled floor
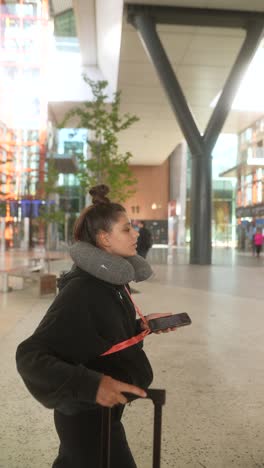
<point x="212" y="370"/>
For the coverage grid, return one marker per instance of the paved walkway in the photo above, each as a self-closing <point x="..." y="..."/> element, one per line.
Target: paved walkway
<point x="212" y="370"/>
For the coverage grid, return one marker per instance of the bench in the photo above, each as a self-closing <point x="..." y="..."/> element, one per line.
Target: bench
<point x="36" y="264"/>
<point x="40" y="262"/>
<point x="14" y="278"/>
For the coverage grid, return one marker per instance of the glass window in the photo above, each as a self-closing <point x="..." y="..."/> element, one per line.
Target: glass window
<point x="242" y="138"/>
<point x="249" y="194"/>
<point x="259" y="191"/>
<point x="71" y="179"/>
<point x="243" y="156"/>
<point x="64" y="24"/>
<point x="27" y="8"/>
<point x="259" y="173"/>
<point x="249" y="153"/>
<point x="248" y="134"/>
<point x="73" y="147"/>
<point x="60" y="180"/>
<point x="259" y="152"/>
<point x="249" y="179"/>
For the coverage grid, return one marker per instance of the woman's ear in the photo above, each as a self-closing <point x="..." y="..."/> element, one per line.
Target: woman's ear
<point x="102" y="240"/>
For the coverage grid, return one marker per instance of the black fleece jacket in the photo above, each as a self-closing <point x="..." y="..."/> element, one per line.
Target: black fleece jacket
<point x="61" y="363"/>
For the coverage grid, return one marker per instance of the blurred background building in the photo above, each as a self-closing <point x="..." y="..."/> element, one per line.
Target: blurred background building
<point x="24" y="32"/>
<point x="44" y="48"/>
<point x="249" y="176"/>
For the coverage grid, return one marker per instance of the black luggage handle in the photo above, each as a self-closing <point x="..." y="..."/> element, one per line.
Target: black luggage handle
<point x="158" y="398"/>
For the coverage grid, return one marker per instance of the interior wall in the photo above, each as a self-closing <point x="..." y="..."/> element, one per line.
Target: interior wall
<point x="152" y="189"/>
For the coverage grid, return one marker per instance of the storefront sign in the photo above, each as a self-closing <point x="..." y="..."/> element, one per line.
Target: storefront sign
<point x="250" y="211"/>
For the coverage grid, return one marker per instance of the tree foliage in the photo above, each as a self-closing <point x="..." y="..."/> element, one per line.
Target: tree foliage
<point x="105" y="164"/>
<point x="49" y="212"/>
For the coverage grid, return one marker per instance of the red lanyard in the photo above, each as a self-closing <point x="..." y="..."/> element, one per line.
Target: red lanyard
<point x="134" y="339"/>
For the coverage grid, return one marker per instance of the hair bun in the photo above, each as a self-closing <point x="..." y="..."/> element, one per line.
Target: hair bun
<point x="99" y="193"/>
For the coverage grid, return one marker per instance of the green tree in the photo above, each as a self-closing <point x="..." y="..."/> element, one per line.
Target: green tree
<point x="49" y="212"/>
<point x="104" y="121"/>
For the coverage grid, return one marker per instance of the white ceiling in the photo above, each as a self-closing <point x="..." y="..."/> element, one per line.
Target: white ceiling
<point x="201" y="58"/>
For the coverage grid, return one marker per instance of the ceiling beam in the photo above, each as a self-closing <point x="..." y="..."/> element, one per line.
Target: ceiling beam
<point x="195" y="16"/>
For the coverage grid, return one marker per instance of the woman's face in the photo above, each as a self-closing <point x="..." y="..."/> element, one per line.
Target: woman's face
<point x="121" y="240"/>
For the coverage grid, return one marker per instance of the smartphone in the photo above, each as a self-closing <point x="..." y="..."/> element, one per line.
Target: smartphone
<point x="170" y="321"/>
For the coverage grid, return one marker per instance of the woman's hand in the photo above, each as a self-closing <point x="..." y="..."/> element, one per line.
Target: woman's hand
<point x="154" y="316"/>
<point x="109" y="392"/>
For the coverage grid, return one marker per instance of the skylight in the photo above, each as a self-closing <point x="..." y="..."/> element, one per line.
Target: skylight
<point x="250" y="95"/>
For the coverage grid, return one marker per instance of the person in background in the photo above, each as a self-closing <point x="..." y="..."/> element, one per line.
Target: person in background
<point x="258" y="241"/>
<point x="88" y="349"/>
<point x="144" y="242"/>
<point x="251" y="235"/>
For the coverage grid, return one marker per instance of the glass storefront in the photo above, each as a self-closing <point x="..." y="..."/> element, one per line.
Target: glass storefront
<point x="23" y="108"/>
<point x="223" y="193"/>
<point x="250" y="183"/>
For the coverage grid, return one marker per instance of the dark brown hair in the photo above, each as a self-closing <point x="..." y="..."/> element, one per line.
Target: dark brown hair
<point x="97" y="217"/>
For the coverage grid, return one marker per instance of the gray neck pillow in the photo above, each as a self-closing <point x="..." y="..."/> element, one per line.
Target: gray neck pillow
<point x="107" y="267"/>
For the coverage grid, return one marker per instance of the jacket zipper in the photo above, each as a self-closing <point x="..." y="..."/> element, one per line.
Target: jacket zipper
<point x="126" y="307"/>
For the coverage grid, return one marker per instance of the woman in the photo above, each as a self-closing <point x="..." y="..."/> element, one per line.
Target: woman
<point x="71" y="362"/>
<point x="258" y="241"/>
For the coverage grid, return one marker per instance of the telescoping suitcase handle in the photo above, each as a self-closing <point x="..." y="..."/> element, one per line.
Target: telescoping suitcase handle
<point x="158" y="398"/>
